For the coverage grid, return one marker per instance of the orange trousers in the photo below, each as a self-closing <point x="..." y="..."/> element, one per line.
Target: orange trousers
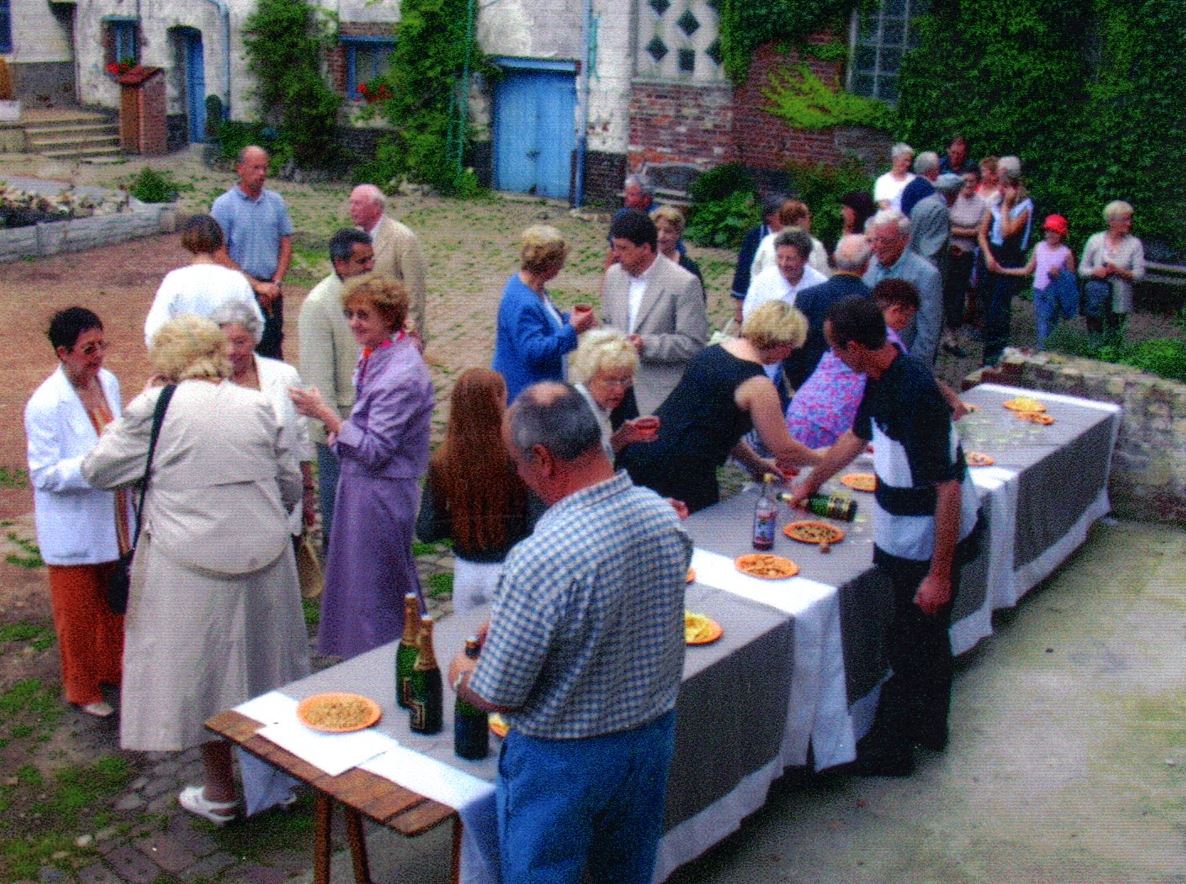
<point x="90" y="637"/>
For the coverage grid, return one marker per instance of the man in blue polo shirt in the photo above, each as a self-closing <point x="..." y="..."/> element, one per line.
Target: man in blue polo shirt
<point x="258" y="234"/>
<point x="584" y="656"/>
<point x="924" y="527"/>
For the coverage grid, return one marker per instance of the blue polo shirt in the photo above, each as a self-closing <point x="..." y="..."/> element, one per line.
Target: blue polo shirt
<point x="253" y="228"/>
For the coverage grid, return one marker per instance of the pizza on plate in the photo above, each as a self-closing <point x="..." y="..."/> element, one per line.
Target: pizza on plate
<point x="979" y="459"/>
<point x="700" y="630"/>
<point x="1024" y="403"/>
<point x="766" y="566"/>
<point x="860" y="481"/>
<point x="810" y="531"/>
<point x="1036" y="417"/>
<point x="338" y="713"/>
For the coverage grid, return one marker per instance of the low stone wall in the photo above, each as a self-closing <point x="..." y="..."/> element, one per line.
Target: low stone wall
<point x="1148" y="480"/>
<point x="77" y="234"/>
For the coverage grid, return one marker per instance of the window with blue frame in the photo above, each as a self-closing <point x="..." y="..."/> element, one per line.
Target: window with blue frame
<point x="123" y="43"/>
<point x="366" y="58"/>
<point x="5" y="26"/>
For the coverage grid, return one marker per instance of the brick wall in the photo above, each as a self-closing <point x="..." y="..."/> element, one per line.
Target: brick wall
<point x="604" y="174"/>
<point x="707" y="125"/>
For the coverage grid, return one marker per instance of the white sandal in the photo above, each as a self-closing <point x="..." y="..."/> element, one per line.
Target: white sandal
<point x="193" y="799"/>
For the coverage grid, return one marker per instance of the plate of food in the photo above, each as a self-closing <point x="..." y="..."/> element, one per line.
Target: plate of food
<point x="498" y="725"/>
<point x="1024" y="403"/>
<point x="811" y="531"/>
<point x="766" y="566"/>
<point x="338" y="713"/>
<point x="860" y="481"/>
<point x="700" y="629"/>
<point x="1040" y="418"/>
<point x="690" y="577"/>
<point x="979" y="459"/>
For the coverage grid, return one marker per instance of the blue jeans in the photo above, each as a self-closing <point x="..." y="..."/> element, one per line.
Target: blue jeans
<point x="998" y="314"/>
<point x="327" y="488"/>
<point x="596" y="803"/>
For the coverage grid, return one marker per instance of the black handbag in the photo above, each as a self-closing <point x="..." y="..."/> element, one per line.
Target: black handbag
<point x="120" y="580"/>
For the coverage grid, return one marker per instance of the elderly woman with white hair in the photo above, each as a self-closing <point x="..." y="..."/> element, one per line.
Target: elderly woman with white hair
<point x="1113" y="260"/>
<point x="272" y="377"/>
<point x="602" y="371"/>
<point x="214" y="612"/>
<point x="887" y="190"/>
<point x="723" y="395"/>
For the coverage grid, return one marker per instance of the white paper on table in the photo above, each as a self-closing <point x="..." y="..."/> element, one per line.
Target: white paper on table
<point x="332" y="753"/>
<point x="270" y="708"/>
<point x="433" y="779"/>
<point x="792" y="596"/>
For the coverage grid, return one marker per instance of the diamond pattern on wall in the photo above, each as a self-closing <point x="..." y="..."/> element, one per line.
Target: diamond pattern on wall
<point x="687" y="60"/>
<point x="657" y="49"/>
<point x="714" y="51"/>
<point x="660" y="6"/>
<point x="688" y="23"/>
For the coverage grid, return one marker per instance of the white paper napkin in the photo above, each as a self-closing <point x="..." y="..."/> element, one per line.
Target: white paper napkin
<point x="433" y="779"/>
<point x="332" y="753"/>
<point x="793" y="596"/>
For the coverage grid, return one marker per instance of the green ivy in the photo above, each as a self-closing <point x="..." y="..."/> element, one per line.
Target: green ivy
<point x="747" y="24"/>
<point x="723" y="222"/>
<point x="1080" y="90"/>
<point x="432" y="48"/>
<point x="802" y="100"/>
<point x="821" y="186"/>
<point x="285" y="42"/>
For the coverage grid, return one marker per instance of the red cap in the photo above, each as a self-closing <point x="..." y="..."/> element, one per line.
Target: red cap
<point x="1057" y="223"/>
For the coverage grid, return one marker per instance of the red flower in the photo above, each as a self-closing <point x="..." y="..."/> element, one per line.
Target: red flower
<point x="113" y="68"/>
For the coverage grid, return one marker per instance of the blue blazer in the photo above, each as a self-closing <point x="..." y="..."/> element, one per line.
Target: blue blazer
<point x="529" y="346"/>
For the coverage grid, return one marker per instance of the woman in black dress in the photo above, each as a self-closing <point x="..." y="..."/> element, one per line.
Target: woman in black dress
<point x="722" y="396"/>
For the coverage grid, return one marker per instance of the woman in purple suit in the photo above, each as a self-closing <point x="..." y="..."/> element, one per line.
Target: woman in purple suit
<point x="383" y="450"/>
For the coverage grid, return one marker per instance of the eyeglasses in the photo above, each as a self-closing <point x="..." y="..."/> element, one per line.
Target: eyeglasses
<point x="94" y="347"/>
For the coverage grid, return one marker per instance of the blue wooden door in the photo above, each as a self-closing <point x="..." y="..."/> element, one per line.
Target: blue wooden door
<point x="195" y="86"/>
<point x="534" y="131"/>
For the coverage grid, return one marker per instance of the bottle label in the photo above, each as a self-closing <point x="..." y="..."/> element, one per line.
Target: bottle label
<point x="764" y="527"/>
<point x="419" y="711"/>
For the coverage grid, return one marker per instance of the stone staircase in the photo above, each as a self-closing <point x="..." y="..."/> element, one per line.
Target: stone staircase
<point x="71" y="135"/>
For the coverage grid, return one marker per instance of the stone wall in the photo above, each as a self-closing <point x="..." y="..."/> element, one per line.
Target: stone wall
<point x="79" y="234"/>
<point x="1148" y="479"/>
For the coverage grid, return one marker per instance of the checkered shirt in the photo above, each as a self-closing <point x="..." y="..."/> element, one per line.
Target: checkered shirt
<point x="587" y="628"/>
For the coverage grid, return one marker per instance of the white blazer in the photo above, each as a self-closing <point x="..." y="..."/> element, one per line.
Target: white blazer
<point x="275" y="377"/>
<point x="75" y="522"/>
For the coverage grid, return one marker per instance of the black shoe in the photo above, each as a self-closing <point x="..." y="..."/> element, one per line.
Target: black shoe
<point x="934" y="742"/>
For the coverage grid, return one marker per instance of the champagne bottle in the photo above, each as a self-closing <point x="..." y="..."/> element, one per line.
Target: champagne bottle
<point x="471" y="734"/>
<point x="427" y="693"/>
<point x="765" y="516"/>
<point x="835" y="506"/>
<point x="405" y="653"/>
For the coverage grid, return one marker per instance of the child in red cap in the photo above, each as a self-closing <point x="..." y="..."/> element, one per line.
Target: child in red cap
<point x="1052" y="264"/>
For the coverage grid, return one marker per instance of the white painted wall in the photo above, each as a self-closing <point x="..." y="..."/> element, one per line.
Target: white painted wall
<point x="37" y="34"/>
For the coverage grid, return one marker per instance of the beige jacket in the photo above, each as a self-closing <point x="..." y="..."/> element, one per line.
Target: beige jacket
<point x="222" y="478"/>
<point x="672" y="322"/>
<point x="397" y="253"/>
<point x="329" y="352"/>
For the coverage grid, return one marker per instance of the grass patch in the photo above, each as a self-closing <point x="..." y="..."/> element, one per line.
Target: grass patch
<point x="441" y="585"/>
<point x="40" y="636"/>
<point x="29" y="709"/>
<point x="431" y="549"/>
<point x="312" y="611"/>
<point x="13" y="477"/>
<point x="29" y="555"/>
<point x="267" y="833"/>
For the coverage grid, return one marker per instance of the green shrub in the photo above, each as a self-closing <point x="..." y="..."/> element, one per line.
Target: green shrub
<point x="1164" y="357"/>
<point x="821" y="187"/>
<point x="720" y="182"/>
<point x="723" y="222"/>
<point x="151" y="186"/>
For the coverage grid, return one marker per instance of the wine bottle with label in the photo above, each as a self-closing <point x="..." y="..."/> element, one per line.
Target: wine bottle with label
<point x="406" y="651"/>
<point x="765" y="516"/>
<point x="471" y="726"/>
<point x="427" y="693"/>
<point x="835" y="506"/>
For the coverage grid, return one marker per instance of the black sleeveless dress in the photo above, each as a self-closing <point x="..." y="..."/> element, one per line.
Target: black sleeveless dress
<point x="699" y="425"/>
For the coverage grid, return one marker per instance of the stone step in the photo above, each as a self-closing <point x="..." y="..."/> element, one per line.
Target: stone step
<point x="96" y="139"/>
<point x="81" y="153"/>
<point x="103" y="127"/>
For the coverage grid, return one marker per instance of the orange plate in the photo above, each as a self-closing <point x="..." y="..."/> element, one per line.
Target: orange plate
<point x="712" y="634"/>
<point x="690" y="577"/>
<point x="1036" y="417"/>
<point x="777" y="567"/>
<point x="810" y="531"/>
<point x="1024" y="403"/>
<point x="860" y="481"/>
<point x="498" y="725"/>
<point x="368" y="714"/>
<point x="979" y="459"/>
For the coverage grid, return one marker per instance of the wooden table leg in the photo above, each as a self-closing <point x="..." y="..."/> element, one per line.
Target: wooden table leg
<point x="322" y="809"/>
<point x="358" y="845"/>
<point x="457" y="849"/>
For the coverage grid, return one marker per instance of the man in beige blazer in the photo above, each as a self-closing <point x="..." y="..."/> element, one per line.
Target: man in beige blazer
<point x="329" y="351"/>
<point x="397" y="251"/>
<point x="657" y="303"/>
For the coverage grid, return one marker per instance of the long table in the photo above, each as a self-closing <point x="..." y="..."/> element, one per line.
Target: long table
<point x="800" y="661"/>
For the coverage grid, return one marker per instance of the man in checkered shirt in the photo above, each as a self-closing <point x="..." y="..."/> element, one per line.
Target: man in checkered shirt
<point x="583" y="655"/>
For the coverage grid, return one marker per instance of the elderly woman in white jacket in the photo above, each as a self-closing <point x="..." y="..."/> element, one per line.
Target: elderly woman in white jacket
<point x="81" y="530"/>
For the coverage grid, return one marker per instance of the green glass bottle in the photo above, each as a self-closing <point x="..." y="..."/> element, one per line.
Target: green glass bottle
<point x="835" y="506"/>
<point x="427" y="693"/>
<point x="405" y="653"/>
<point x="471" y="726"/>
